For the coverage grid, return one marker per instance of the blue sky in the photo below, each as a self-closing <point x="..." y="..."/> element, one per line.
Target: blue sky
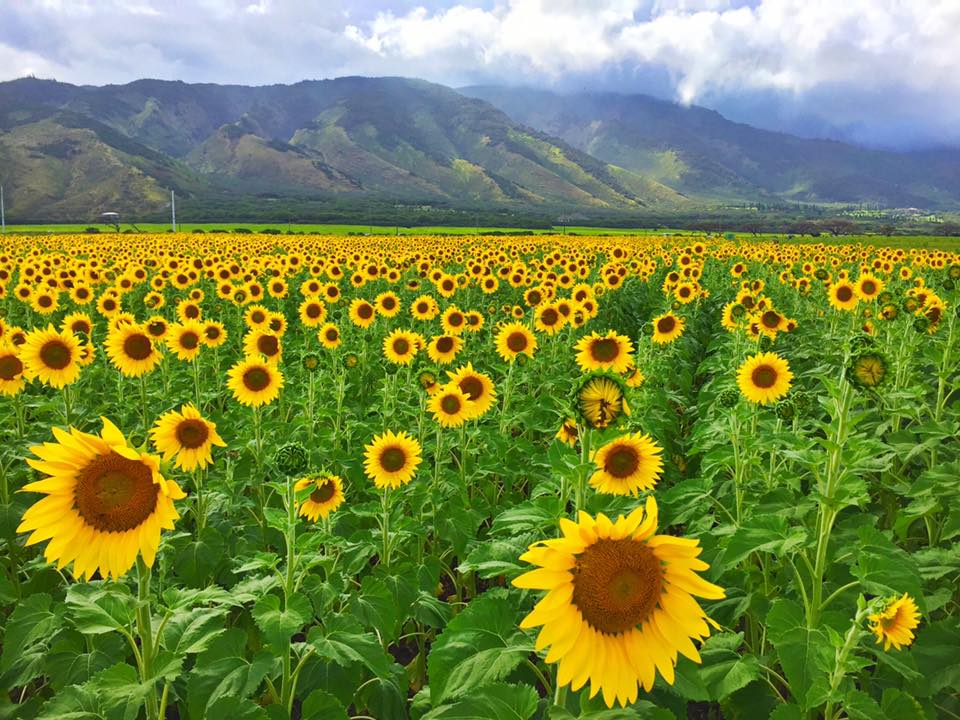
<point x="880" y="72"/>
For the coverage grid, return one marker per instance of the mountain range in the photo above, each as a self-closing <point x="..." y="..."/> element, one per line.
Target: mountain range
<point x="69" y="152"/>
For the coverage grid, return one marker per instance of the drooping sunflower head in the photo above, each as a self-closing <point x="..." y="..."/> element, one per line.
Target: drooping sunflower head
<point x="605" y="352"/>
<point x="187" y="436"/>
<point x="601" y="399"/>
<point x="764" y="378"/>
<point x="667" y="328"/>
<point x="255" y="381"/>
<point x="131" y="349"/>
<point x="514" y="339"/>
<point x="568" y="432"/>
<point x="105" y="502"/>
<point x="620" y="602"/>
<point x="51" y="357"/>
<point x="392" y="459"/>
<point x="451" y="406"/>
<point x="895" y="623"/>
<point x="627" y="465"/>
<point x="477" y="386"/>
<point x="325" y="496"/>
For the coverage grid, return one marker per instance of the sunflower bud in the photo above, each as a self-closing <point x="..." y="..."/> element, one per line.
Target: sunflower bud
<point x="292" y="459"/>
<point x="728" y="398"/>
<point x="868" y="369"/>
<point x="310" y="362"/>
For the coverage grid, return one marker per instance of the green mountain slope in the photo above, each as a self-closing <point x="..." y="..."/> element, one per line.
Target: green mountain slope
<point x="700" y="153"/>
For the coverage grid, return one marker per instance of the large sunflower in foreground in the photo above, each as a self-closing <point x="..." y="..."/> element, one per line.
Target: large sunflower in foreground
<point x="515" y="339"/>
<point x="326" y="495"/>
<point x="619" y="605"/>
<point x="604" y="352"/>
<point x="764" y="378"/>
<point x="105" y="502"/>
<point x="254" y="381"/>
<point x="894" y="625"/>
<point x="627" y="465"/>
<point x="131" y="350"/>
<point x="391" y="459"/>
<point x="186" y="435"/>
<point x="52" y="357"/>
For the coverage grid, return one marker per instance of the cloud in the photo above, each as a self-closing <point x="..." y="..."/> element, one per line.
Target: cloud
<point x="876" y="70"/>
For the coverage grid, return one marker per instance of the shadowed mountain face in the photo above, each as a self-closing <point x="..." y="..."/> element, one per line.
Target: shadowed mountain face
<point x="67" y="149"/>
<point x="700" y="153"/>
<point x="69" y="152"/>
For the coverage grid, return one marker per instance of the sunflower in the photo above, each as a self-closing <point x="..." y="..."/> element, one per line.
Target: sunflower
<point x="894" y="625"/>
<point x="764" y="378"/>
<point x="601" y="400"/>
<point x="185" y="339"/>
<point x="568" y="432"/>
<point x="214" y="333"/>
<point x="424" y="308"/>
<point x="52" y="357"/>
<point x="868" y="369"/>
<point x="477" y="386"/>
<point x="11" y="369"/>
<point x="264" y="343"/>
<point x="454" y="321"/>
<point x="400" y="347"/>
<point x="326" y="495"/>
<point x="627" y="465"/>
<point x="45" y="302"/>
<point x="514" y="339"/>
<point x="187" y="436"/>
<point x="868" y="287"/>
<point x="106" y="502"/>
<point x="548" y="319"/>
<point x="604" y="352"/>
<point x="79" y="323"/>
<point x="362" y="313"/>
<point x="444" y="348"/>
<point x="620" y="602"/>
<point x="131" y="349"/>
<point x="667" y="328"/>
<point x="312" y="312"/>
<point x="843" y="295"/>
<point x="391" y="459"/>
<point x="428" y="381"/>
<point x="329" y="336"/>
<point x="255" y="382"/>
<point x="451" y="406"/>
<point x="256" y="316"/>
<point x="388" y="304"/>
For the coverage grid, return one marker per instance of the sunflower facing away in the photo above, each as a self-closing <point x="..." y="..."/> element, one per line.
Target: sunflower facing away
<point x="627" y="465"/>
<point x="326" y="495"/>
<point x="604" y="352"/>
<point x="391" y="459"/>
<point x="764" y="378"/>
<point x="451" y="406"/>
<point x="600" y="400"/>
<point x="255" y="382"/>
<point x="619" y="605"/>
<point x="52" y="357"/>
<point x="515" y="339"/>
<point x="131" y="350"/>
<point x="667" y="328"/>
<point x="105" y="502"/>
<point x="187" y="436"/>
<point x="894" y="625"/>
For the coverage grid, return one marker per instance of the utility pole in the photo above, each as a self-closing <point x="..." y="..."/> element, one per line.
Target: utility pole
<point x="3" y="214"/>
<point x="173" y="210"/>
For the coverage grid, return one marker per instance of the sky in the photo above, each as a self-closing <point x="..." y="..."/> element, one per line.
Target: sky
<point x="877" y="72"/>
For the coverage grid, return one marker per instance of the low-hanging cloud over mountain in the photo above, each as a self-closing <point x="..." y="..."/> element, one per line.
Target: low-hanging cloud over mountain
<point x="878" y="71"/>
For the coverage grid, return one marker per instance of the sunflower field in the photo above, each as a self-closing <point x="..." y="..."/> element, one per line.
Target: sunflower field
<point x="264" y="477"/>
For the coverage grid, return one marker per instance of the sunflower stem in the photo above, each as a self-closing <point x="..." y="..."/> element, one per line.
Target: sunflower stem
<point x="67" y="406"/>
<point x="840" y="660"/>
<point x="508" y="387"/>
<point x="385" y="527"/>
<point x="145" y="632"/>
<point x="144" y="409"/>
<point x="195" y="363"/>
<point x="288" y="682"/>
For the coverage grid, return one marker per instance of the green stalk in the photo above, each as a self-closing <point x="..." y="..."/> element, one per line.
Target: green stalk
<point x="836" y="677"/>
<point x="385" y="527"/>
<point x="145" y="632"/>
<point x="288" y="683"/>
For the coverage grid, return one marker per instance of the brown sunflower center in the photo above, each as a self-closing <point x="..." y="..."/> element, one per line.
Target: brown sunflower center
<point x="45" y="301"/>
<point x="137" y="347"/>
<point x="764" y="376"/>
<point x="455" y="319"/>
<point x="422" y="308"/>
<point x="80" y="326"/>
<point x="10" y="367"/>
<point x="550" y="317"/>
<point x="114" y="493"/>
<point x="517" y="342"/>
<point x="192" y="433"/>
<point x="665" y="325"/>
<point x="189" y="340"/>
<point x="472" y="387"/>
<point x="770" y="319"/>
<point x="605" y="350"/>
<point x="157" y="328"/>
<point x="269" y="345"/>
<point x="868" y="287"/>
<point x="192" y="312"/>
<point x="844" y="293"/>
<point x="364" y="312"/>
<point x="450" y="404"/>
<point x="617" y="584"/>
<point x="388" y="303"/>
<point x="622" y="461"/>
<point x="445" y="344"/>
<point x="313" y="310"/>
<point x="393" y="459"/>
<point x="212" y="332"/>
<point x="55" y="354"/>
<point x="324" y="492"/>
<point x="256" y="379"/>
<point x="332" y="334"/>
<point x="401" y="346"/>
